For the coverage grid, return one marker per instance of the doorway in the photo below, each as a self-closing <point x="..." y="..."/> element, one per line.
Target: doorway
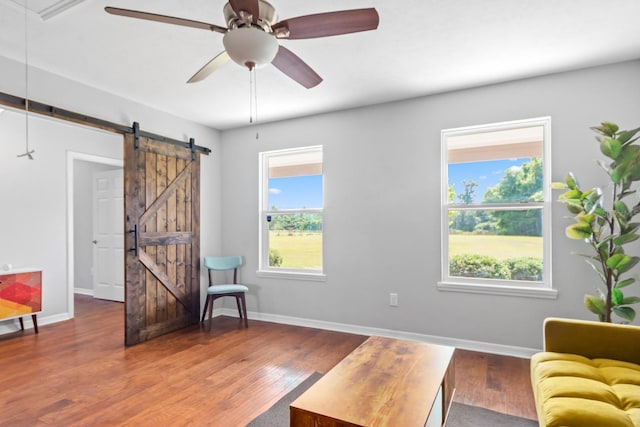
<point x="81" y="168"/>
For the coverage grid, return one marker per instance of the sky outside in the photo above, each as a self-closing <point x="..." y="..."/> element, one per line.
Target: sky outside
<point x="295" y="192"/>
<point x="486" y="174"/>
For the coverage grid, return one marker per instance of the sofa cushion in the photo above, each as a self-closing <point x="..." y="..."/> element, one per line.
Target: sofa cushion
<point x="573" y="390"/>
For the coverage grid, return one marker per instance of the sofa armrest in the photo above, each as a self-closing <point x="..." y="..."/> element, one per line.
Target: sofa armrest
<point x="592" y="339"/>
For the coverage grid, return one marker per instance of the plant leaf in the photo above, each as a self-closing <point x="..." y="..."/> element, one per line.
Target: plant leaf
<point x="571" y="181"/>
<point x="621" y="208"/>
<point x="611" y="148"/>
<point x="559" y="186"/>
<point x="625" y="238"/>
<point x="585" y="218"/>
<point x="616" y="297"/>
<point x="626" y="135"/>
<point x="606" y="128"/>
<point x="629" y="264"/>
<point x="603" y="242"/>
<point x="626" y="313"/>
<point x="626" y="282"/>
<point x="631" y="228"/>
<point x="619" y="174"/>
<point x="579" y="231"/>
<point x="617" y="261"/>
<point x="594" y="304"/>
<point x="574" y="208"/>
<point x="572" y="194"/>
<point x="630" y="300"/>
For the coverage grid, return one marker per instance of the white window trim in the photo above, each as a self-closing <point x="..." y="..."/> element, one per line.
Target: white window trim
<point x="543" y="289"/>
<point x="263" y="251"/>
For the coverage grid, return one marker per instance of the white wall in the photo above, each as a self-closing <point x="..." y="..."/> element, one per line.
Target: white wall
<point x="33" y="222"/>
<point x="33" y="216"/>
<point x="382" y="168"/>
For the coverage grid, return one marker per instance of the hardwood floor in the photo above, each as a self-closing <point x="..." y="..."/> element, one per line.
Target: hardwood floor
<point x="78" y="373"/>
<point x="499" y="383"/>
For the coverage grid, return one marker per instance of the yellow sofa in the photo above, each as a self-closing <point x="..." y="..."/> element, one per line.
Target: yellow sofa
<point x="587" y="375"/>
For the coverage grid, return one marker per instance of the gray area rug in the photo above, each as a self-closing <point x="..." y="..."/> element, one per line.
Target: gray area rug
<point x="472" y="416"/>
<point x="278" y="414"/>
<point x="460" y="415"/>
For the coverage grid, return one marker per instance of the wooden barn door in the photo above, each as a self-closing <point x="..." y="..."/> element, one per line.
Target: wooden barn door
<point x="162" y="261"/>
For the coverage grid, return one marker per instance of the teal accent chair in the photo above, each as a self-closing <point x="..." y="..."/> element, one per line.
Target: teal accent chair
<point x="225" y="290"/>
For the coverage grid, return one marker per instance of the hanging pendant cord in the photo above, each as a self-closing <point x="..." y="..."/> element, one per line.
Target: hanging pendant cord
<point x="28" y="153"/>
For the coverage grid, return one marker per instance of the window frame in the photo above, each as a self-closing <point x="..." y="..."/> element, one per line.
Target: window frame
<point x="543" y="289"/>
<point x="264" y="269"/>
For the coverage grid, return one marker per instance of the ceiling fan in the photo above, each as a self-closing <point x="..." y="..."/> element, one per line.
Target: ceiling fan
<point x="251" y="36"/>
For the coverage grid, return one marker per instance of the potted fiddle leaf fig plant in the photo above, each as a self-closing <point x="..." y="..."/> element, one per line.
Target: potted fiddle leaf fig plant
<point x="604" y="220"/>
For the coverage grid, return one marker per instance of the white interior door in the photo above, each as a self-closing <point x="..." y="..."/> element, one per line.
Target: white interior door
<point x="108" y="235"/>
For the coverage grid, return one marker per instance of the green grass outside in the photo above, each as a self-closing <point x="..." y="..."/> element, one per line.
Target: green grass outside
<point x="298" y="250"/>
<point x="304" y="250"/>
<point x="499" y="247"/>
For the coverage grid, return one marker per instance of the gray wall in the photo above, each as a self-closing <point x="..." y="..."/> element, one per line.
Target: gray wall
<point x="382" y="167"/>
<point x="381" y="162"/>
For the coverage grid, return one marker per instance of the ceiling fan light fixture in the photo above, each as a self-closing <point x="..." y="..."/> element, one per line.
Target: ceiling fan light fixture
<point x="250" y="47"/>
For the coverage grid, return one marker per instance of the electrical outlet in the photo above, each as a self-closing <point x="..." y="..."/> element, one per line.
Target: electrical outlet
<point x="393" y="300"/>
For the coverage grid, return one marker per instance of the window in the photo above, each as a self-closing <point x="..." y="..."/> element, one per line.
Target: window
<point x="291" y="219"/>
<point x="496" y="215"/>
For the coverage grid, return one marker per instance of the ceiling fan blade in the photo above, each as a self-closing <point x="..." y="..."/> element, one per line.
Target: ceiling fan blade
<point x="328" y="24"/>
<point x="250" y="6"/>
<point x="294" y="67"/>
<point x="166" y="19"/>
<point x="210" y="67"/>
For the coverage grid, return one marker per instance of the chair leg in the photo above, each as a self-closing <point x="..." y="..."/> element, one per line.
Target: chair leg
<point x="244" y="310"/>
<point x="211" y="307"/>
<point x="238" y="303"/>
<point x="206" y="303"/>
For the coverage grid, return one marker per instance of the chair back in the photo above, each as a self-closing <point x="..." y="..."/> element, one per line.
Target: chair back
<point x="223" y="263"/>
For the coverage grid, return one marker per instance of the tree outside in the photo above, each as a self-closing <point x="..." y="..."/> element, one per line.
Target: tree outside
<point x="498" y="243"/>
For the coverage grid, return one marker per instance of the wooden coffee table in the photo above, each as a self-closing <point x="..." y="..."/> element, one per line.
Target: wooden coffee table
<point x="384" y="382"/>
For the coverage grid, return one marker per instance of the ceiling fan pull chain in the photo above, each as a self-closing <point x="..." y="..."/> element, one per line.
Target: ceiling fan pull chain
<point x="255" y="94"/>
<point x="253" y="97"/>
<point x="250" y="96"/>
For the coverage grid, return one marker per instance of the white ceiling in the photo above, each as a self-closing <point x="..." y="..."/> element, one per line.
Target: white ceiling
<point x="421" y="47"/>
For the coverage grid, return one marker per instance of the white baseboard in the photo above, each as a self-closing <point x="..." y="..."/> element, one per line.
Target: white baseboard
<point x="483" y="347"/>
<point x="9" y="326"/>
<point x="13" y="325"/>
<point x="83" y="291"/>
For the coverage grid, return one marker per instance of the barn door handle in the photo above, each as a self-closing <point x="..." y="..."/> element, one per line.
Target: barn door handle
<point x="136" y="237"/>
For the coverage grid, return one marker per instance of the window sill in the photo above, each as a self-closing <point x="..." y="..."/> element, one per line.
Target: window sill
<point x="292" y="275"/>
<point x="525" y="292"/>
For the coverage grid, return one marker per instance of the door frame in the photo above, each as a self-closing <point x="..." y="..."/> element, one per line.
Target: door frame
<point x="71" y="156"/>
